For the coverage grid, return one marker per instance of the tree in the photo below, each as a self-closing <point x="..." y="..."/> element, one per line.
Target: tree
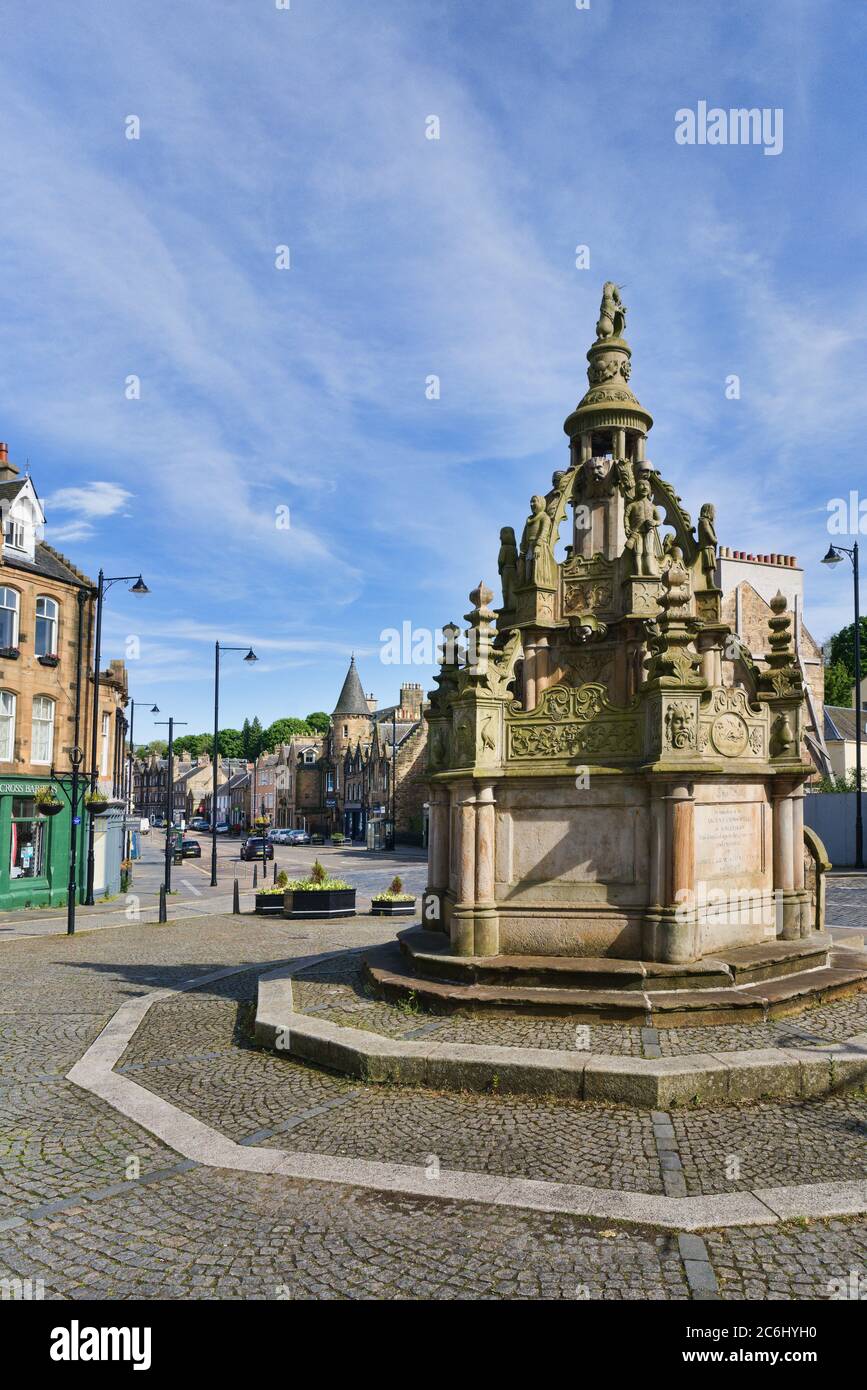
<point x="318" y="721"/>
<point x="257" y="736"/>
<point x="843" y="650"/>
<point x="156" y="745"/>
<point x="246" y="741"/>
<point x="281" y="731"/>
<point x="838" y="685"/>
<point x="231" y="743"/>
<point x="194" y="744"/>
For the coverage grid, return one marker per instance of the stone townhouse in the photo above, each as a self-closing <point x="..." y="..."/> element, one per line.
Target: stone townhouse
<point x="357" y="765"/>
<point x="47" y="615"/>
<point x="749" y="582"/>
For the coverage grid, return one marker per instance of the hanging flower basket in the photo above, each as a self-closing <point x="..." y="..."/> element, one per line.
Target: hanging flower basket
<point x="97" y="805"/>
<point x="49" y="808"/>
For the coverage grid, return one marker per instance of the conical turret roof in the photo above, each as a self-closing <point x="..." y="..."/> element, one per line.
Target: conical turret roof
<point x="352" y="699"/>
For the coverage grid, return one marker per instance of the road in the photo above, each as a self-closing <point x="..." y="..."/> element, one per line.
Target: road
<point x="192" y="893"/>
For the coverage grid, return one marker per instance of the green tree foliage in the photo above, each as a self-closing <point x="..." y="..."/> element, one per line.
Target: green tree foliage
<point x="318" y="721"/>
<point x="843" y="650"/>
<point x="281" y="731"/>
<point x="197" y="745"/>
<point x="156" y="745"/>
<point x="246" y="741"/>
<point x="257" y="736"/>
<point x="231" y="743"/>
<point x="838" y="685"/>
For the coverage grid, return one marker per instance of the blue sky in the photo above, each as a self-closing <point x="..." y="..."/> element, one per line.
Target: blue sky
<point x="305" y="388"/>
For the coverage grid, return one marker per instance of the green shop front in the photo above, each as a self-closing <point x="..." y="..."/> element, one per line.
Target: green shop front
<point x="34" y="847"/>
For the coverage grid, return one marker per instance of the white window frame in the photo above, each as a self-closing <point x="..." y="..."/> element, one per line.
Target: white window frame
<point x="42" y="701"/>
<point x="46" y="617"/>
<point x="15" y="533"/>
<point x="14" y="608"/>
<point x="7" y="725"/>
<point x="105" y="744"/>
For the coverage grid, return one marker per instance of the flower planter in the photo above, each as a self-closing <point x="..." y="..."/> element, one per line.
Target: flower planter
<point x="310" y="902"/>
<point x="48" y="660"/>
<point x="9" y="653"/>
<point x="384" y="907"/>
<point x="47" y="808"/>
<point x="98" y="808"/>
<point x="270" y="904"/>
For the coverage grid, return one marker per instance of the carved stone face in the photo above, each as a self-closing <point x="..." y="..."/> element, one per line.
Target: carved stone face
<point x="597" y="469"/>
<point x="537" y="504"/>
<point x="507" y="535"/>
<point x="642" y="489"/>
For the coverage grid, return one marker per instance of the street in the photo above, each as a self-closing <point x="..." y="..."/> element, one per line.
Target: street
<point x="192" y="894"/>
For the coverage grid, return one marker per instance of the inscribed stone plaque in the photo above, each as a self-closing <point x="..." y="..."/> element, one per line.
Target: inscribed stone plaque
<point x="729" y="839"/>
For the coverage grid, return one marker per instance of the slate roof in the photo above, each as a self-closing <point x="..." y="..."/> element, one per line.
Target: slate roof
<point x="840" y="723"/>
<point x="352" y="699"/>
<point x="48" y="562"/>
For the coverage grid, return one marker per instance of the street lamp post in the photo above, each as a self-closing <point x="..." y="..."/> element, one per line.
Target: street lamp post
<point x="394" y="779"/>
<point x="130" y="787"/>
<point x="833" y="558"/>
<point x="170" y="799"/>
<point x="215" y="751"/>
<point x="103" y="585"/>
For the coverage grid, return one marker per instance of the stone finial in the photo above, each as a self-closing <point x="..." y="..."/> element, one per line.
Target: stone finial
<point x="479" y="618"/>
<point x="782" y="651"/>
<point x="673" y="657"/>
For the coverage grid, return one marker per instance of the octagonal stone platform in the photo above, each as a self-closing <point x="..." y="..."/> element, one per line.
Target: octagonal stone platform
<point x="745" y="984"/>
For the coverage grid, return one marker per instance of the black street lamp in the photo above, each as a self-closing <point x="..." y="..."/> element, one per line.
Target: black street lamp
<point x="130" y="785"/>
<point x="170" y="798"/>
<point x="215" y="751"/>
<point x="833" y="558"/>
<point x="102" y="588"/>
<point x="393" y="845"/>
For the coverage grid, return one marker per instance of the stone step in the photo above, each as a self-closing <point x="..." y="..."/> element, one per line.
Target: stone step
<point x="394" y="978"/>
<point x="430" y="955"/>
<point x="848" y="937"/>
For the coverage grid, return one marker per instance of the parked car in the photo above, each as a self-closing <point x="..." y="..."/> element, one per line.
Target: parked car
<point x="222" y="827"/>
<point x="273" y="836"/>
<point x="297" y="837"/>
<point x="158" y="822"/>
<point x="200" y="824"/>
<point x="190" y="849"/>
<point x="252" y="848"/>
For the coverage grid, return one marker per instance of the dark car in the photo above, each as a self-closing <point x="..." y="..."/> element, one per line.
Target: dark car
<point x="252" y="848"/>
<point x="190" y="849"/>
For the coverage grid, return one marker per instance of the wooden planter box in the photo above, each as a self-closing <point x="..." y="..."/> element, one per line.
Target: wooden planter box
<point x="334" y="902"/>
<point x="381" y="907"/>
<point x="270" y="904"/>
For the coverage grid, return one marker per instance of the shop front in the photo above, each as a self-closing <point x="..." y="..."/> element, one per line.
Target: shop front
<point x="34" y="848"/>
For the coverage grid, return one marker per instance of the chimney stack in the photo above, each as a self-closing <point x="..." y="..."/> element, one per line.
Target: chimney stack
<point x="8" y="471"/>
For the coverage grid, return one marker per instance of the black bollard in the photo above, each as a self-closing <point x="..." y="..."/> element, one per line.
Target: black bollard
<point x="236" y="900"/>
<point x="162" y="916"/>
<point x="255" y="875"/>
<point x="275" y="870"/>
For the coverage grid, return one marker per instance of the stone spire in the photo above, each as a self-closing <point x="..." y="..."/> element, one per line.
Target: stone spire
<point x="352" y="699"/>
<point x="608" y="412"/>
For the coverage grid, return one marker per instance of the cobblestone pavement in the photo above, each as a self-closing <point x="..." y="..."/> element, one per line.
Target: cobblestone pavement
<point x="96" y="1207"/>
<point x="336" y="991"/>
